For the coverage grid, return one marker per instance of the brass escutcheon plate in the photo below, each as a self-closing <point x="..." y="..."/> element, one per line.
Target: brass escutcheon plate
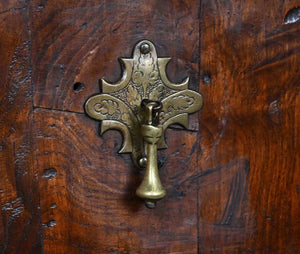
<point x="144" y="77"/>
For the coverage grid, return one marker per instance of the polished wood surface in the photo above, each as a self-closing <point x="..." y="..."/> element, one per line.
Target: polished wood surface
<point x="251" y="121"/>
<point x="20" y="216"/>
<point x="232" y="178"/>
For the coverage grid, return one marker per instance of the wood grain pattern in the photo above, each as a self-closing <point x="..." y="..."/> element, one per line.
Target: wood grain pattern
<point x="233" y="186"/>
<point x="252" y="112"/>
<point x="80" y="41"/>
<point x="88" y="202"/>
<point x="11" y="5"/>
<point x="20" y="216"/>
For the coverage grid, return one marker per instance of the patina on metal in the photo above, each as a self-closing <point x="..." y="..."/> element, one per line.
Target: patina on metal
<point x="142" y="105"/>
<point x="151" y="188"/>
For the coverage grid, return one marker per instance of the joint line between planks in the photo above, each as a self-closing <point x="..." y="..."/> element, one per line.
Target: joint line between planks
<point x="198" y="137"/>
<point x="14" y="9"/>
<point x="58" y="110"/>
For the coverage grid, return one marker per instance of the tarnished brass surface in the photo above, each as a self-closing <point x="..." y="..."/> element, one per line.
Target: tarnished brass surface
<point x="130" y="106"/>
<point x="151" y="188"/>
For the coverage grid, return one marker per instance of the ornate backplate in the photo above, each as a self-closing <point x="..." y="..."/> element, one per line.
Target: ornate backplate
<point x="144" y="77"/>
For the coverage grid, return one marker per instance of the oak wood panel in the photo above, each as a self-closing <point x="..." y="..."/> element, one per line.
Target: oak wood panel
<point x="250" y="123"/>
<point x="232" y="188"/>
<point x="20" y="217"/>
<point x="12" y="5"/>
<point x="80" y="41"/>
<point x="87" y="191"/>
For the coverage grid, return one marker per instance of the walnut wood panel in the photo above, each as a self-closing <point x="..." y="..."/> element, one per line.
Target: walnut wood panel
<point x="20" y="217"/>
<point x="87" y="191"/>
<point x="250" y="125"/>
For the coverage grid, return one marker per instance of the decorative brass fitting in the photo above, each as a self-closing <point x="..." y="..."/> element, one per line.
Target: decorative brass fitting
<point x="151" y="188"/>
<point x="142" y="105"/>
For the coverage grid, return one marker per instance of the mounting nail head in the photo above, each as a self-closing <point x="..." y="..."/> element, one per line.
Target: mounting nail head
<point x="145" y="48"/>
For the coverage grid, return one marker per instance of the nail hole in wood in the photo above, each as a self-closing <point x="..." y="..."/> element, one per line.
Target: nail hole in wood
<point x="292" y="16"/>
<point x="78" y="87"/>
<point x="206" y="78"/>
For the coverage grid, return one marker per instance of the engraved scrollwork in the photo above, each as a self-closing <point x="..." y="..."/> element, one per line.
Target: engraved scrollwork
<point x="179" y="104"/>
<point x="108" y="108"/>
<point x="144" y="77"/>
<point x="133" y="96"/>
<point x="186" y="101"/>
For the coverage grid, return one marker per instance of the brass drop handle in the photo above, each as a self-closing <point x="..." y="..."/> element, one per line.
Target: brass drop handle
<point x="151" y="188"/>
<point x="142" y="105"/>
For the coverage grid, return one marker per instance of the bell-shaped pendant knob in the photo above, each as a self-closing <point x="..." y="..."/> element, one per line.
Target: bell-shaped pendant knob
<point x="151" y="187"/>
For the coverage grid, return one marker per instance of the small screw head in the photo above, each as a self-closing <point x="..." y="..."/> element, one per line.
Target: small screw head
<point x="145" y="48"/>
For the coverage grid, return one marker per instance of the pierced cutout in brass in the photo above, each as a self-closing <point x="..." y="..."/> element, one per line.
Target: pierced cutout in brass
<point x="119" y="106"/>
